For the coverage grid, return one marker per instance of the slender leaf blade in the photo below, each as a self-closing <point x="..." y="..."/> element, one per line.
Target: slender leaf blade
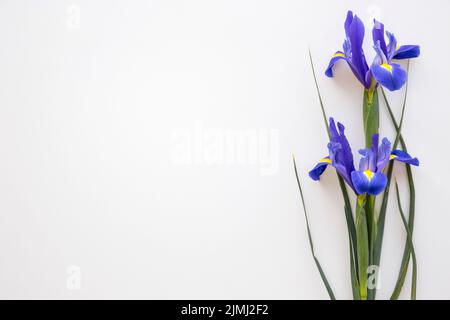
<point x="319" y="267"/>
<point x="411" y="245"/>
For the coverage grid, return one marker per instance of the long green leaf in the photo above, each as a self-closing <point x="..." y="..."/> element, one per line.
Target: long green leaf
<point x="324" y="115"/>
<point x="353" y="260"/>
<point x="354" y="276"/>
<point x="411" y="245"/>
<point x="412" y="201"/>
<point x="322" y="274"/>
<point x="347" y="207"/>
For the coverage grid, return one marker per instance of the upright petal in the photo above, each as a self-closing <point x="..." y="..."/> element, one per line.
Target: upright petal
<point x="369" y="156"/>
<point x="335" y="58"/>
<point x="381" y="56"/>
<point x="407" y="52"/>
<point x="403" y="156"/>
<point x="340" y="151"/>
<point x="384" y="153"/>
<point x="378" y="35"/>
<point x="346" y="157"/>
<point x="392" y="45"/>
<point x="390" y="76"/>
<point x="373" y="164"/>
<point x="357" y="61"/>
<point x="320" y="167"/>
<point x="365" y="160"/>
<point x="348" y="22"/>
<point x="334" y="134"/>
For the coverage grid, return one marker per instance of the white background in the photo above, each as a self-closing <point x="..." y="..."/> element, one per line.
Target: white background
<point x="92" y="94"/>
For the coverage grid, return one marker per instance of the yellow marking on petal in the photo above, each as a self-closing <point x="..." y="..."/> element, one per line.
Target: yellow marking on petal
<point x="338" y="54"/>
<point x="397" y="47"/>
<point x="392" y="156"/>
<point x="386" y="66"/>
<point x="369" y="174"/>
<point x="326" y="160"/>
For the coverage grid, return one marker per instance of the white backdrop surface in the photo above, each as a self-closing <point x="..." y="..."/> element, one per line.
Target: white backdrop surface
<point x="146" y="148"/>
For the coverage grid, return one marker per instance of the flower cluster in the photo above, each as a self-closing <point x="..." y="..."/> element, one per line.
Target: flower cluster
<point x="383" y="71"/>
<point x="369" y="178"/>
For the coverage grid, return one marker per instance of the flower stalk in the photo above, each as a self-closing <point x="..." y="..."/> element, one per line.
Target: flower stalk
<point x="362" y="237"/>
<point x="371" y="116"/>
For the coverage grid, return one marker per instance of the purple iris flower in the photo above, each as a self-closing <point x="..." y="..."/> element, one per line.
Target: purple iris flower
<point x="390" y="75"/>
<point x="370" y="177"/>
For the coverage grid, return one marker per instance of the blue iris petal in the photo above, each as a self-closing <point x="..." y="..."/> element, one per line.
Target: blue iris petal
<point x="373" y="163"/>
<point x="392" y="45"/>
<point x="336" y="155"/>
<point x="348" y="22"/>
<point x="373" y="185"/>
<point x="377" y="183"/>
<point x="384" y="152"/>
<point x="378" y="35"/>
<point x="358" y="60"/>
<point x="390" y="76"/>
<point x="360" y="182"/>
<point x="403" y="156"/>
<point x="407" y="52"/>
<point x="364" y="162"/>
<point x="336" y="57"/>
<point x="340" y="151"/>
<point x="317" y="171"/>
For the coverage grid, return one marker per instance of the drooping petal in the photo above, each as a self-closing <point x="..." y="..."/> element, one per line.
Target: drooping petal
<point x="384" y="152"/>
<point x="407" y="52"/>
<point x="360" y="182"/>
<point x="390" y="76"/>
<point x="377" y="183"/>
<point x="378" y="35"/>
<point x="403" y="156"/>
<point x="369" y="182"/>
<point x="335" y="58"/>
<point x="320" y="167"/>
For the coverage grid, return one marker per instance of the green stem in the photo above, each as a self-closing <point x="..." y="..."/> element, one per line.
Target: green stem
<point x="371" y="120"/>
<point x="371" y="116"/>
<point x="363" y="245"/>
